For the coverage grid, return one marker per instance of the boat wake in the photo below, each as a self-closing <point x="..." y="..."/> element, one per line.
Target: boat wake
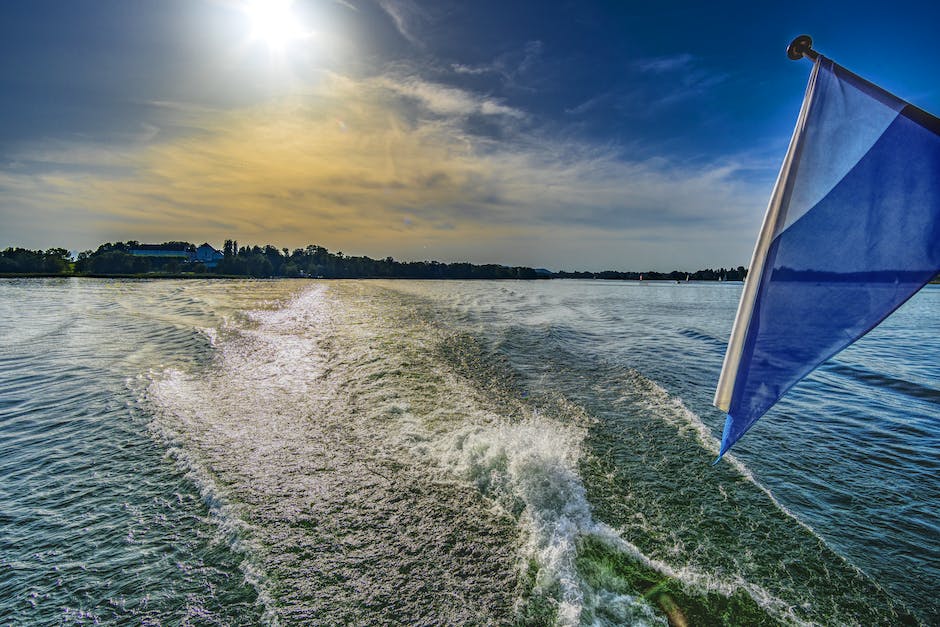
<point x="354" y="446"/>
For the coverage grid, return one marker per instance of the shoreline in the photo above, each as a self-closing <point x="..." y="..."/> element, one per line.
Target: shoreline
<point x="14" y="275"/>
<point x="188" y="277"/>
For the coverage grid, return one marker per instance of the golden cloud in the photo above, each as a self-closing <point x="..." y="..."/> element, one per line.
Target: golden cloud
<point x="378" y="166"/>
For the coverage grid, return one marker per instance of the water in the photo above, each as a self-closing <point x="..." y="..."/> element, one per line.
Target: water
<point x="364" y="452"/>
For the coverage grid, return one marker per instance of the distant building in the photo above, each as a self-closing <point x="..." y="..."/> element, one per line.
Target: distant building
<point x="173" y="252"/>
<point x="207" y="256"/>
<point x="162" y="254"/>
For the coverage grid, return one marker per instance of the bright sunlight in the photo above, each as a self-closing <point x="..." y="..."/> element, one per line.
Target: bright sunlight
<point x="274" y="23"/>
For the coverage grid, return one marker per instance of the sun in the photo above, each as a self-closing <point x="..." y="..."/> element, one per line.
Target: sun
<point x="274" y="23"/>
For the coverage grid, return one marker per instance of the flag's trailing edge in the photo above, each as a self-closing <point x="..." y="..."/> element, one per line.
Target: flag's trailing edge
<point x="851" y="232"/>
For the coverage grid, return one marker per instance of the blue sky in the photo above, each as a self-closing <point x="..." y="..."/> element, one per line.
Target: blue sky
<point x="558" y="134"/>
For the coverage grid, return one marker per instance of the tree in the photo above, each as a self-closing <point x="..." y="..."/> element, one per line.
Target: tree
<point x="259" y="266"/>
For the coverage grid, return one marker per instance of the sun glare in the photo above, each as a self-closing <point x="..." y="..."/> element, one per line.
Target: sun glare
<point x="274" y="23"/>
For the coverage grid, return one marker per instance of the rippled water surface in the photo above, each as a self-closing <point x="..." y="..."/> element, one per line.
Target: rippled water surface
<point x="426" y="453"/>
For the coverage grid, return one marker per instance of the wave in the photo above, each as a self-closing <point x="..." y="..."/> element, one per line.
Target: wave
<point x="860" y="374"/>
<point x="696" y="334"/>
<point x="362" y="432"/>
<point x="530" y="469"/>
<point x="529" y="462"/>
<point x="624" y="480"/>
<point x="227" y="517"/>
<point x="309" y="433"/>
<point x="95" y="527"/>
<point x="880" y="380"/>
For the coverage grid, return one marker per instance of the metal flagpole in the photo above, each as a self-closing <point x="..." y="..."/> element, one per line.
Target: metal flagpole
<point x="729" y="368"/>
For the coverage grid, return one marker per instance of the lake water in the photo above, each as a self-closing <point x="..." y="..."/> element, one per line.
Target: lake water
<point x="426" y="453"/>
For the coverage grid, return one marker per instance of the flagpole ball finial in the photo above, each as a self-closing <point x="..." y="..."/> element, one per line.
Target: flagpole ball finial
<point x="801" y="47"/>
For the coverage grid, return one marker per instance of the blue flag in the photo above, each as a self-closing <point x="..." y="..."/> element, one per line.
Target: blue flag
<point x="851" y="232"/>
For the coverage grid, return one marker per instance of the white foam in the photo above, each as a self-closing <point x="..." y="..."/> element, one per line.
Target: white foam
<point x="530" y="469"/>
<point x="241" y="415"/>
<point x="225" y="516"/>
<point x="211" y="334"/>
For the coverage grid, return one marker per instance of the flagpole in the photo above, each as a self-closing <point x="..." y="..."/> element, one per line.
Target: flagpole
<point x="801" y="47"/>
<point x="726" y="380"/>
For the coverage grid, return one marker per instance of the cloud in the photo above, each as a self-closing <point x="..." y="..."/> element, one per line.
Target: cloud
<point x="518" y="67"/>
<point x="348" y="5"/>
<point x="351" y="166"/>
<point x="445" y="100"/>
<point x="662" y="65"/>
<point x="406" y="15"/>
<point x="590" y="104"/>
<point x="514" y="67"/>
<point x="531" y="56"/>
<point x="474" y="70"/>
<point x="676" y="78"/>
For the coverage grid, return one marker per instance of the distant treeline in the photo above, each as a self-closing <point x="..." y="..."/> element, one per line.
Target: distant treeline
<point x="731" y="274"/>
<point x="316" y="261"/>
<point x="251" y="261"/>
<point x="22" y="261"/>
<point x="312" y="261"/>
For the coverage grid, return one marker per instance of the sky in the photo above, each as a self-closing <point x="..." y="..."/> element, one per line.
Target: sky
<point x="566" y="135"/>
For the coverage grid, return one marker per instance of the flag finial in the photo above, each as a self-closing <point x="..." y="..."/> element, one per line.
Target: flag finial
<point x="801" y="47"/>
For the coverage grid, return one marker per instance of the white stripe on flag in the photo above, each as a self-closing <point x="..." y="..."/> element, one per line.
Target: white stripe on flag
<point x="742" y="319"/>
